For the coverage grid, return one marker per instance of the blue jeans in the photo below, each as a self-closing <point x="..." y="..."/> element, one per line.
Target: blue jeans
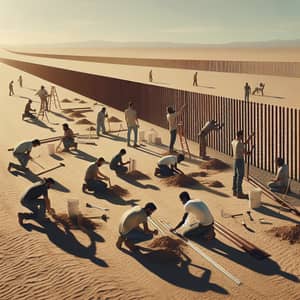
<point x="135" y="131"/>
<point x="239" y="171"/>
<point x="95" y="185"/>
<point x="173" y="134"/>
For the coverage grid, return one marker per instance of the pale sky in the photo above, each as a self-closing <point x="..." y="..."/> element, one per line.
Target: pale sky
<point x="186" y="21"/>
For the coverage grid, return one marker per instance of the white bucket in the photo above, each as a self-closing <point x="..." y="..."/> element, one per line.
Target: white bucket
<point x="255" y="198"/>
<point x="51" y="149"/>
<point x="73" y="208"/>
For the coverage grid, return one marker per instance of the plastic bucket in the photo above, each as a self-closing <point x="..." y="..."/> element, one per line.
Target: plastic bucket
<point x="51" y="149"/>
<point x="255" y="198"/>
<point x="73" y="208"/>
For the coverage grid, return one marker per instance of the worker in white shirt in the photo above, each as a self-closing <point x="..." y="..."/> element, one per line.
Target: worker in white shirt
<point x="167" y="165"/>
<point x="197" y="219"/>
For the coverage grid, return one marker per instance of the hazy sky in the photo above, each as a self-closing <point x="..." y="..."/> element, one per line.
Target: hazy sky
<point x="190" y="21"/>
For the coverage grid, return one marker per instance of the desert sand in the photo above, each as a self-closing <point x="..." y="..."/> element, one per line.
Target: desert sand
<point x="43" y="261"/>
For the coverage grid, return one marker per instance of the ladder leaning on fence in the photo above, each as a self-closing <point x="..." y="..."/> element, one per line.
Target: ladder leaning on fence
<point x="183" y="141"/>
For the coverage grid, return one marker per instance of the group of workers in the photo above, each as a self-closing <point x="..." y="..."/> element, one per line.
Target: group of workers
<point x="197" y="219"/>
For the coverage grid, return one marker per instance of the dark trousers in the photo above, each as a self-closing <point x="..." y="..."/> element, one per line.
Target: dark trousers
<point x="239" y="171"/>
<point x="97" y="186"/>
<point x="119" y="169"/>
<point x="197" y="230"/>
<point x="36" y="205"/>
<point x="165" y="171"/>
<point x="173" y="134"/>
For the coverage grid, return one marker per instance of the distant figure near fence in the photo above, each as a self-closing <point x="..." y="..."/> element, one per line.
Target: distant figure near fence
<point x="150" y="76"/>
<point x="195" y="82"/>
<point x="11" y="88"/>
<point x="260" y="89"/>
<point x="20" y="79"/>
<point x="247" y="89"/>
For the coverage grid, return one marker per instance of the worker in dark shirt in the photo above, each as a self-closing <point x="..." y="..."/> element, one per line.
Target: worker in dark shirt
<point x="117" y="164"/>
<point x="36" y="199"/>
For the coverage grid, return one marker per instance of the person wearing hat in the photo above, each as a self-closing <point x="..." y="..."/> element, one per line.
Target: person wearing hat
<point x="130" y="221"/>
<point x="36" y="199"/>
<point x="28" y="111"/>
<point x="22" y="153"/>
<point x="94" y="178"/>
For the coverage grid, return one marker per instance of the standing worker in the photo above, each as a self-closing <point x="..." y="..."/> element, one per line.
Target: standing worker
<point x="132" y="123"/>
<point x="22" y="153"/>
<point x="207" y="128"/>
<point x="247" y="90"/>
<point x="195" y="82"/>
<point x="20" y="79"/>
<point x="101" y="121"/>
<point x="11" y="88"/>
<point x="43" y="94"/>
<point x="197" y="219"/>
<point x="150" y="76"/>
<point x="171" y="118"/>
<point x="239" y="150"/>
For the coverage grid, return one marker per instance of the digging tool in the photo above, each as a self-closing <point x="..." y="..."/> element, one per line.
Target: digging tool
<point x="246" y="226"/>
<point x="34" y="161"/>
<point x="263" y="221"/>
<point x="249" y="214"/>
<point x="96" y="206"/>
<point x="51" y="169"/>
<point x="226" y="215"/>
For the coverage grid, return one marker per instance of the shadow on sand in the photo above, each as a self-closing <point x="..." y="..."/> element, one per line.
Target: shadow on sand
<point x="39" y="123"/>
<point x="83" y="155"/>
<point x="66" y="240"/>
<point x="29" y="175"/>
<point x="177" y="272"/>
<point x="266" y="267"/>
<point x="136" y="183"/>
<point x="61" y="116"/>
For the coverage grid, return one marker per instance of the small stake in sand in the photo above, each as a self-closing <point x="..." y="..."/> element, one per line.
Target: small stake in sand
<point x="132" y="165"/>
<point x="96" y="206"/>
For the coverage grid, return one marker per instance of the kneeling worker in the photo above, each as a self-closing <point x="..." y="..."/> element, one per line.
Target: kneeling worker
<point x="68" y="139"/>
<point x="167" y="165"/>
<point x="131" y="220"/>
<point x="280" y="182"/>
<point x="28" y="111"/>
<point x="32" y="200"/>
<point x="94" y="178"/>
<point x="197" y="219"/>
<point x="117" y="164"/>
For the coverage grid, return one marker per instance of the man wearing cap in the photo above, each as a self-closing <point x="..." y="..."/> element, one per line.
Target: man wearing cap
<point x="22" y="153"/>
<point x="33" y="201"/>
<point x="130" y="221"/>
<point x="94" y="178"/>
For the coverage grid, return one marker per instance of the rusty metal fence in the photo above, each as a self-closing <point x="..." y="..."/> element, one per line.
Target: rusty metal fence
<point x="274" y="68"/>
<point x="277" y="128"/>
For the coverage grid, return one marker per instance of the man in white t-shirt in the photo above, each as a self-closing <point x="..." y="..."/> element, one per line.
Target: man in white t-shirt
<point x="22" y="153"/>
<point x="197" y="219"/>
<point x="167" y="165"/>
<point x="132" y="123"/>
<point x="280" y="182"/>
<point x="131" y="220"/>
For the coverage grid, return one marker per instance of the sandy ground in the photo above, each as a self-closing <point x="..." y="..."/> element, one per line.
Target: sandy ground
<point x="43" y="261"/>
<point x="281" y="91"/>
